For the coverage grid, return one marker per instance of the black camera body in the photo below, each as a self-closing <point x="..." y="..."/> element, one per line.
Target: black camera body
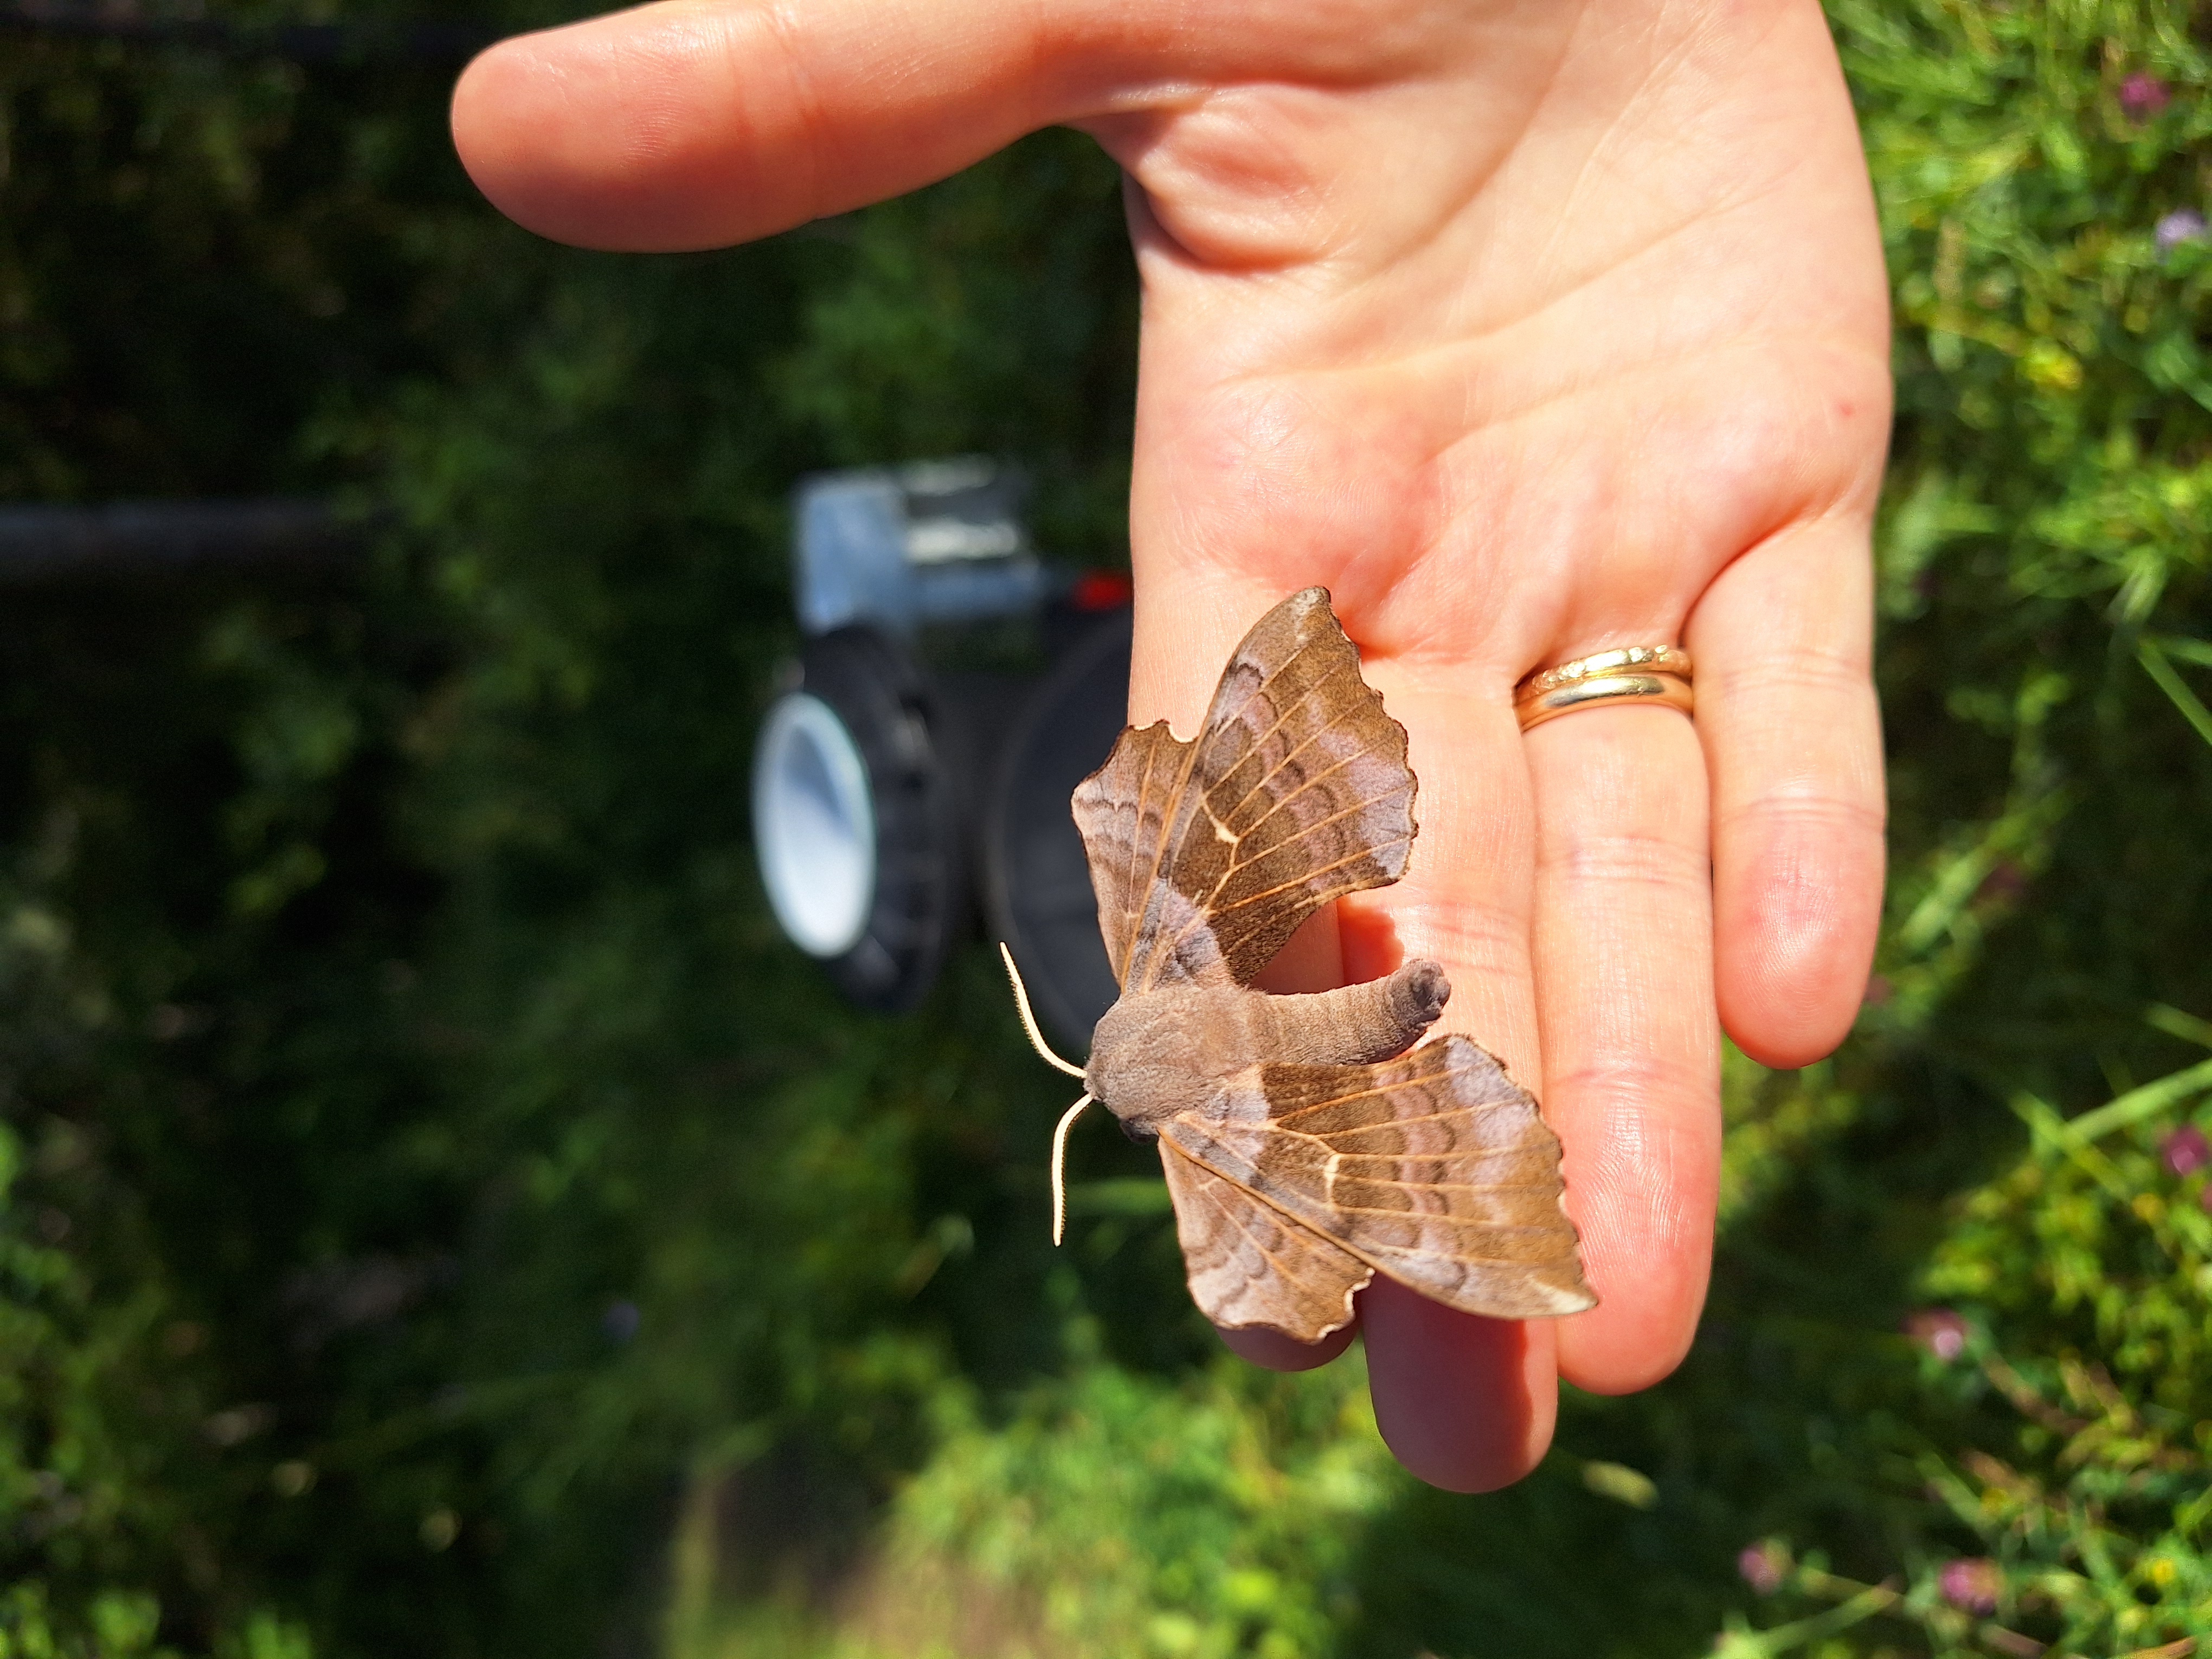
<point x="911" y="781"/>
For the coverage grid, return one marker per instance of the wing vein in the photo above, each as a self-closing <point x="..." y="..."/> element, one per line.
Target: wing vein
<point x="1282" y="1125"/>
<point x="1216" y="717"/>
<point x="1444" y="1217"/>
<point x="1311" y="782"/>
<point x="1159" y="863"/>
<point x="1212" y="917"/>
<point x="1283" y="718"/>
<point x="1284" y="887"/>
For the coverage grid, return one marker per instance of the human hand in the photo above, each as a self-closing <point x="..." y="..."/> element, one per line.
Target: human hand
<point x="1528" y="330"/>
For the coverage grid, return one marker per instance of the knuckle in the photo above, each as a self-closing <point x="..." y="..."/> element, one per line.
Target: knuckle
<point x="1618" y="1089"/>
<point x="1804" y="815"/>
<point x="1587" y="856"/>
<point x="1481" y="938"/>
<point x="1825" y="669"/>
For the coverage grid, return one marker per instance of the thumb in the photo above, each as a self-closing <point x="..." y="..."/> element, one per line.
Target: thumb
<point x="694" y="124"/>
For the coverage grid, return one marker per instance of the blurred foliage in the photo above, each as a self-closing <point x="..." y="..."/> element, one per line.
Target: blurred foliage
<point x="199" y="258"/>
<point x="440" y="1216"/>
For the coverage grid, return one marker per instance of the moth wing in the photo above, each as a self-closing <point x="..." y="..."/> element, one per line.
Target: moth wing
<point x="1434" y="1168"/>
<point x="1207" y="856"/>
<point x="1250" y="1264"/>
<point x="1124" y="810"/>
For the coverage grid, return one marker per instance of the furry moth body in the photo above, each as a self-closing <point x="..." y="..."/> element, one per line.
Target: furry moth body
<point x="1308" y="1143"/>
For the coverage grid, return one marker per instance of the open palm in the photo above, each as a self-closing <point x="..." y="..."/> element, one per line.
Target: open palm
<point x="1528" y="330"/>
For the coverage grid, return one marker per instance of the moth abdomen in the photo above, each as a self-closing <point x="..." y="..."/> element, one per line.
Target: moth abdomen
<point x="1358" y="1023"/>
<point x="1418" y="993"/>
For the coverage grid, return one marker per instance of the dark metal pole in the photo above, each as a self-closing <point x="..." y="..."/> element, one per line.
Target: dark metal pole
<point x="300" y="43"/>
<point x="42" y="543"/>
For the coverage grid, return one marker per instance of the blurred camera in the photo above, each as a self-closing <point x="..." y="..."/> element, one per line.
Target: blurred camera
<point x="911" y="780"/>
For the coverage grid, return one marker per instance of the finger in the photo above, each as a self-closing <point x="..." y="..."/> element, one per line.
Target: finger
<point x="1466" y="1404"/>
<point x="698" y="123"/>
<point x="1631" y="1048"/>
<point x="1782" y="642"/>
<point x="1279" y="1353"/>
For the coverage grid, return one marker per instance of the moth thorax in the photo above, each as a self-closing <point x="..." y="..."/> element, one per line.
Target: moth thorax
<point x="1167" y="1051"/>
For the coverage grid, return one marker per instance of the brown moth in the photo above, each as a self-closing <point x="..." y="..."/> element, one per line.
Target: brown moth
<point x="1306" y="1149"/>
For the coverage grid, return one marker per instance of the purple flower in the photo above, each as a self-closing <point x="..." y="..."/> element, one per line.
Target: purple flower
<point x="2182" y="225"/>
<point x="2143" y="96"/>
<point x="1763" y="1566"/>
<point x="2006" y="882"/>
<point x="2186" y="1150"/>
<point x="620" y="1322"/>
<point x="1939" y="1330"/>
<point x="1972" y="1585"/>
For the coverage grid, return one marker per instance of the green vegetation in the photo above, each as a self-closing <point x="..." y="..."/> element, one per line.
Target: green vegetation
<point x="441" y="1217"/>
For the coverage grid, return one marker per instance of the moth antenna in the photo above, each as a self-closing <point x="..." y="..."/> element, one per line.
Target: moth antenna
<point x="1060" y="1167"/>
<point x="1029" y="1021"/>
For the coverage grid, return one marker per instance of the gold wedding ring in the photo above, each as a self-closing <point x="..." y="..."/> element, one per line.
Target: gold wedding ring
<point x="1644" y="673"/>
